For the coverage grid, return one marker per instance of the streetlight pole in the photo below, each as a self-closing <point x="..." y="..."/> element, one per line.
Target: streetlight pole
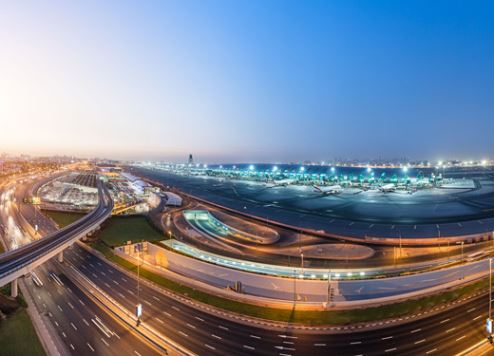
<point x="490" y="287"/>
<point x="302" y="263"/>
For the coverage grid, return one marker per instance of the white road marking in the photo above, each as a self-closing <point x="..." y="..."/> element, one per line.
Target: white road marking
<point x="255" y="336"/>
<point x="224" y="327"/>
<point x="355" y="342"/>
<point x="210" y="347"/>
<point x="199" y="318"/>
<point x="182" y="333"/>
<point x="249" y="347"/>
<point x="216" y="336"/>
<point x="191" y="326"/>
<point x="104" y="342"/>
<point x="89" y="345"/>
<point x="419" y="342"/>
<point x="319" y="345"/>
<point x="444" y="321"/>
<point x="71" y="323"/>
<point x="390" y="350"/>
<point x="431" y="351"/>
<point x="386" y="338"/>
<point x="462" y="337"/>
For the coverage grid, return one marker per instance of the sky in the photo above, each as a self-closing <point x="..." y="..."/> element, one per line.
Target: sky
<point x="247" y="80"/>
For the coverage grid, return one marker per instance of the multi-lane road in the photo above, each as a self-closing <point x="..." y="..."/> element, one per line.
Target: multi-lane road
<point x="79" y="325"/>
<point x="446" y="333"/>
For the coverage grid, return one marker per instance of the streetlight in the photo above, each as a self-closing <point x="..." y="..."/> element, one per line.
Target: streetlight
<point x="139" y="305"/>
<point x="488" y="323"/>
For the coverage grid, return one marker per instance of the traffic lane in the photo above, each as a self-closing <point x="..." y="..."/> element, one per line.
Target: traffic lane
<point x="72" y="303"/>
<point x="376" y="341"/>
<point x="191" y="330"/>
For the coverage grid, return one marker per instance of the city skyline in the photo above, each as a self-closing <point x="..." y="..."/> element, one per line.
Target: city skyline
<point x="247" y="82"/>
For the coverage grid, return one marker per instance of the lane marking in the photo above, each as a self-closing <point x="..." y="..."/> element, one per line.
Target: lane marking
<point x="386" y="338"/>
<point x="419" y="342"/>
<point x="89" y="345"/>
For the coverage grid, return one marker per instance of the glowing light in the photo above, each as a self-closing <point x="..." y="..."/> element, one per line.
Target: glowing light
<point x="405" y="169"/>
<point x="302" y="169"/>
<point x="251" y="167"/>
<point x="369" y="169"/>
<point x="333" y="169"/>
<point x="484" y="162"/>
<point x="275" y="168"/>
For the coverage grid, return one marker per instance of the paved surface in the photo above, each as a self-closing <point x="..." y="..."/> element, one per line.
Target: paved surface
<point x="69" y="311"/>
<point x="428" y="213"/>
<point x="443" y="334"/>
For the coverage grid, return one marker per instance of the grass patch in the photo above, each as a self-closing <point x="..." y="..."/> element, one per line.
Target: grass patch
<point x="333" y="317"/>
<point x="63" y="218"/>
<point x="18" y="337"/>
<point x="120" y="229"/>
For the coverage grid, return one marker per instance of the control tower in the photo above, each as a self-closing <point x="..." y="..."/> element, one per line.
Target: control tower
<point x="191" y="160"/>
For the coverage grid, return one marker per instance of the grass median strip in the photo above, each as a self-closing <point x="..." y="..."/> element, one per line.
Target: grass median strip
<point x="314" y="318"/>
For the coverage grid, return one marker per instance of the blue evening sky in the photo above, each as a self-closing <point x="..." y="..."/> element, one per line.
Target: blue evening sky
<point x="248" y="80"/>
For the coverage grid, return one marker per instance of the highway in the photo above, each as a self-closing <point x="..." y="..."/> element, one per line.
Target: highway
<point x="443" y="334"/>
<point x="80" y="326"/>
<point x="25" y="256"/>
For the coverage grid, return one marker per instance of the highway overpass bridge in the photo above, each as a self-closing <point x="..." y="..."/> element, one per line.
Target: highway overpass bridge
<point x="21" y="261"/>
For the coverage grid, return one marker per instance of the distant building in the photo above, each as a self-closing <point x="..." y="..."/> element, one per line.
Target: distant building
<point x="191" y="160"/>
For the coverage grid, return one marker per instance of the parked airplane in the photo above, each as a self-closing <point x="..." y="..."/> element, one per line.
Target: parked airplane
<point x="281" y="183"/>
<point x="329" y="189"/>
<point x="387" y="188"/>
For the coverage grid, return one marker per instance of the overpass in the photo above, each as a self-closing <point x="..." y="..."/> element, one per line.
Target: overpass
<point x="19" y="262"/>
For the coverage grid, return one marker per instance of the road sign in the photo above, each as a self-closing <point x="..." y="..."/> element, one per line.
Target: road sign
<point x="488" y="325"/>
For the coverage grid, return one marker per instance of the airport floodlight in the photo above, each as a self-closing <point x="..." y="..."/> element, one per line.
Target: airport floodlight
<point x="205" y="166"/>
<point x="333" y="169"/>
<point x="440" y="163"/>
<point x="362" y="274"/>
<point x="484" y="162"/>
<point x="369" y="169"/>
<point x="275" y="168"/>
<point x="405" y="169"/>
<point x="221" y="166"/>
<point x="251" y="167"/>
<point x="302" y="169"/>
